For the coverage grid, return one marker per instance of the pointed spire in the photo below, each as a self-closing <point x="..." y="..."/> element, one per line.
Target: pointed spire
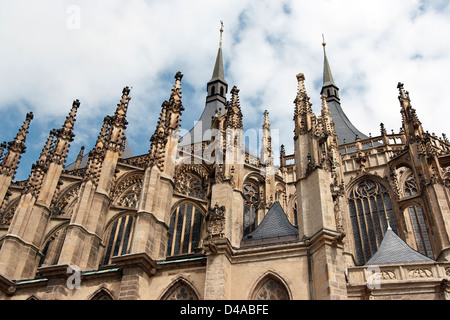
<point x="175" y="105"/>
<point x="218" y="73"/>
<point x="327" y="75"/>
<point x="97" y="155"/>
<point x="169" y="122"/>
<point x="79" y="158"/>
<point x="64" y="136"/>
<point x="15" y="148"/>
<point x="233" y="117"/>
<point x="266" y="147"/>
<point x="410" y="120"/>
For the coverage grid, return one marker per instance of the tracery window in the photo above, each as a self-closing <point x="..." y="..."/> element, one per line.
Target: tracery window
<point x="131" y="196"/>
<point x="271" y="289"/>
<point x="184" y="229"/>
<point x="410" y="187"/>
<point x="420" y="231"/>
<point x="251" y="206"/>
<point x="416" y="215"/>
<point x="7" y="216"/>
<point x="180" y="291"/>
<point x="191" y="185"/>
<point x="52" y="248"/>
<point x="119" y="239"/>
<point x="66" y="203"/>
<point x="370" y="206"/>
<point x="102" y="295"/>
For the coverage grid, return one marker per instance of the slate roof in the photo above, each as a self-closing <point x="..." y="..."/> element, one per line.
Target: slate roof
<point x="275" y="226"/>
<point x="393" y="250"/>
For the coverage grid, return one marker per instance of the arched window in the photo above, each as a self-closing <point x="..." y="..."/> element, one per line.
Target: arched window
<point x="66" y="202"/>
<point x="131" y="195"/>
<point x="119" y="239"/>
<point x="295" y="214"/>
<point x="192" y="185"/>
<point x="416" y="215"/>
<point x="370" y="206"/>
<point x="251" y="204"/>
<point x="420" y="231"/>
<point x="180" y="291"/>
<point x="7" y="216"/>
<point x="271" y="289"/>
<point x="221" y="91"/>
<point x="52" y="248"/>
<point x="184" y="229"/>
<point x="102" y="295"/>
<point x="410" y="187"/>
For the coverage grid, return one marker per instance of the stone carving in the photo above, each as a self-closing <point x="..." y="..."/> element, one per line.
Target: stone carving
<point x="420" y="273"/>
<point x="216" y="222"/>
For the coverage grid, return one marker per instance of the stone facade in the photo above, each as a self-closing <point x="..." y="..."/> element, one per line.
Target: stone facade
<point x="172" y="224"/>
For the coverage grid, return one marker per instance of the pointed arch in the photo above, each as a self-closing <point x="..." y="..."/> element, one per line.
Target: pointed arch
<point x="186" y="220"/>
<point x="52" y="245"/>
<point x="180" y="289"/>
<point x="192" y="180"/>
<point x="127" y="190"/>
<point x="270" y="286"/>
<point x="253" y="192"/>
<point x="65" y="203"/>
<point x="370" y="206"/>
<point x="8" y="214"/>
<point x="102" y="294"/>
<point x="119" y="235"/>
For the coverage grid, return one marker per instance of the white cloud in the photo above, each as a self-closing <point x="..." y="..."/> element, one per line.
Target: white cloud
<point x="371" y="47"/>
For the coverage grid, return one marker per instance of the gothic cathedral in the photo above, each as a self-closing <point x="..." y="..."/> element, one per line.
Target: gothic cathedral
<point x="345" y="216"/>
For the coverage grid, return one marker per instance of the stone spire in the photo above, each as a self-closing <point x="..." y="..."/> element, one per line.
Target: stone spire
<point x="15" y="149"/>
<point x="10" y="161"/>
<point x="33" y="212"/>
<point x="168" y="124"/>
<point x="64" y="136"/>
<point x="266" y="147"/>
<point x="233" y="116"/>
<point x="410" y="120"/>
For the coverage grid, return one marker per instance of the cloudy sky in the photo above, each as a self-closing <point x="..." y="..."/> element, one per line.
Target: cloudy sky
<point x="54" y="52"/>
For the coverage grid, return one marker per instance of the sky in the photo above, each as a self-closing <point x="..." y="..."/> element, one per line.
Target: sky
<point x="54" y="52"/>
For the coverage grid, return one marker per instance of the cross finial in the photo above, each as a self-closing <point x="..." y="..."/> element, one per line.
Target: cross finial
<point x="221" y="32"/>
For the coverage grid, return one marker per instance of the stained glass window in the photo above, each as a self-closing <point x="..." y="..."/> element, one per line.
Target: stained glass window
<point x="52" y="248"/>
<point x="271" y="289"/>
<point x="119" y="241"/>
<point x="420" y="231"/>
<point x="184" y="229"/>
<point x="252" y="200"/>
<point x="370" y="206"/>
<point x="180" y="291"/>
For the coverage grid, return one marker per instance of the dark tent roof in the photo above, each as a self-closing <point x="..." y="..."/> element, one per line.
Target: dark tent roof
<point x="393" y="250"/>
<point x="275" y="226"/>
